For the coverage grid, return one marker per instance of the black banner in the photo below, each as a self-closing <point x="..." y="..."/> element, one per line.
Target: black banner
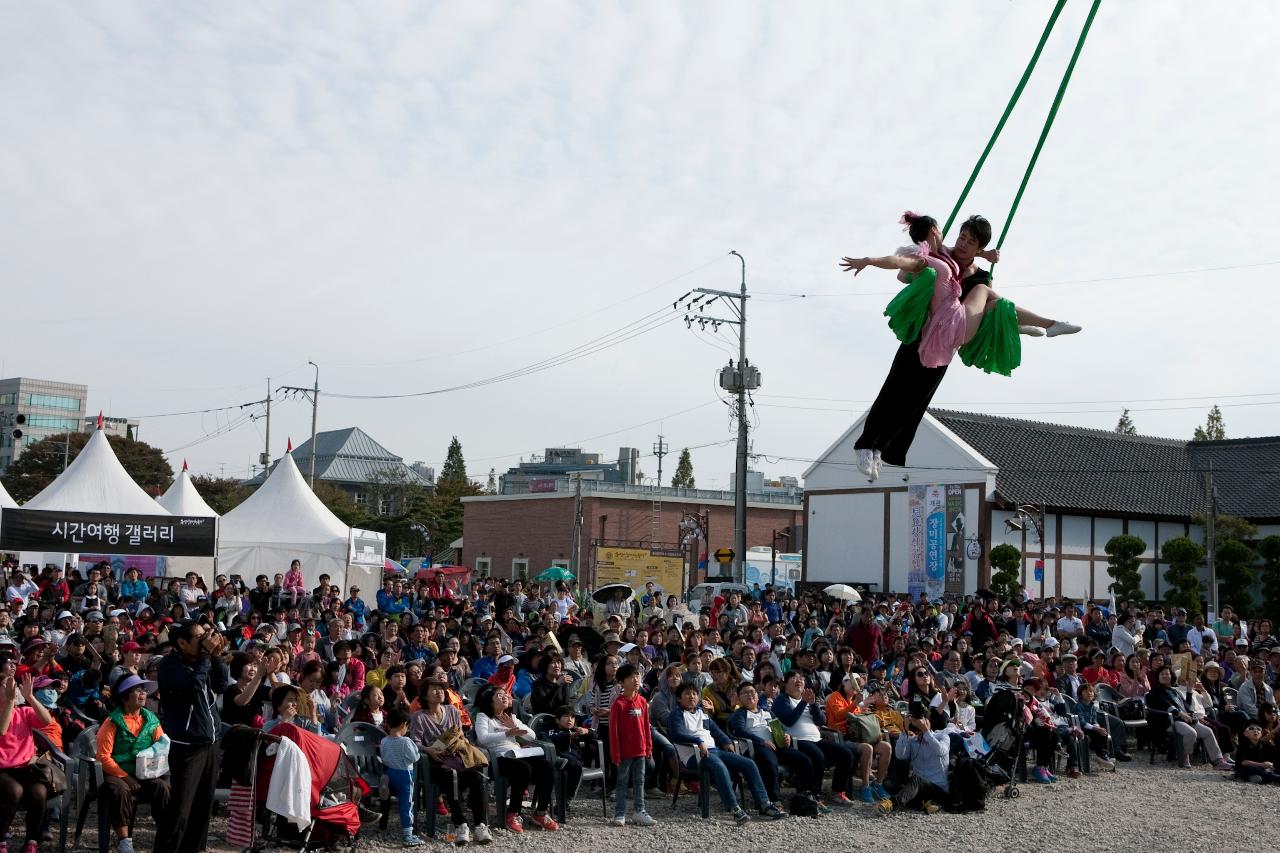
<point x="108" y="533"/>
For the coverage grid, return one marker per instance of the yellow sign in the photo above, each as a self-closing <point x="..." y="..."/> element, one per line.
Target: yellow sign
<point x="636" y="566"/>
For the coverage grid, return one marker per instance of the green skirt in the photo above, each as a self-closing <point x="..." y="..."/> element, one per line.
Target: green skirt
<point x="910" y="308"/>
<point x="997" y="347"/>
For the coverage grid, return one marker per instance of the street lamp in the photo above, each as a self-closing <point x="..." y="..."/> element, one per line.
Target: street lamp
<point x="1029" y="515"/>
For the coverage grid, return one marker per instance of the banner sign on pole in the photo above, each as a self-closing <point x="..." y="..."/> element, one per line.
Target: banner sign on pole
<point x="108" y="533"/>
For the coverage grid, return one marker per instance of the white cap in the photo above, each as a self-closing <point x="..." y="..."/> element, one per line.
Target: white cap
<point x="626" y="647"/>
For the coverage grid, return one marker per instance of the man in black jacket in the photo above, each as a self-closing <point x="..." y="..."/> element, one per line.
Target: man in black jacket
<point x="191" y="678"/>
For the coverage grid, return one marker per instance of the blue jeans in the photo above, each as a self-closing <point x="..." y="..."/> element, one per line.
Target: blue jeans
<point x="630" y="773"/>
<point x="401" y="784"/>
<point x="721" y="766"/>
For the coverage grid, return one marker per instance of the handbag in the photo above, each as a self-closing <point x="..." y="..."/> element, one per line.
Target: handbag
<point x="48" y="771"/>
<point x="863" y="728"/>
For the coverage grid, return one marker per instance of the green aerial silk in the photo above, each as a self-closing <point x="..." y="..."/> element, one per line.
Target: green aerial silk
<point x="997" y="346"/>
<point x="910" y="308"/>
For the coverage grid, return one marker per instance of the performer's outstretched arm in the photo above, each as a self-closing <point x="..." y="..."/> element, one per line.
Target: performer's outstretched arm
<point x="907" y="263"/>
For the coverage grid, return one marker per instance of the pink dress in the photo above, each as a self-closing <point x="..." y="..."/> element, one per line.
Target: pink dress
<point x="943" y="332"/>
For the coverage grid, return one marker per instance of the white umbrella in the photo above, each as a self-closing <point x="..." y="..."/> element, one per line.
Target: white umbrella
<point x="843" y="591"/>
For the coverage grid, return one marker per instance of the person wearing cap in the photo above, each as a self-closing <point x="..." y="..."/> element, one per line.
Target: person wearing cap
<point x="128" y="730"/>
<point x="1254" y="690"/>
<point x="130" y="662"/>
<point x="20" y="588"/>
<point x="356" y="607"/>
<point x="190" y="680"/>
<point x="20" y="783"/>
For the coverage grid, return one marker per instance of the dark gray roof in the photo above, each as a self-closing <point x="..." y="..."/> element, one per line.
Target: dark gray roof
<point x="1102" y="472"/>
<point x="351" y="456"/>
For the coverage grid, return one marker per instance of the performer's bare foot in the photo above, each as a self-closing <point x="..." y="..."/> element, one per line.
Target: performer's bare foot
<point x="1031" y="331"/>
<point x="1061" y="328"/>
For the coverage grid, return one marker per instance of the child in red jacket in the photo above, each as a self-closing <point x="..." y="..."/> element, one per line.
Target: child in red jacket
<point x="630" y="746"/>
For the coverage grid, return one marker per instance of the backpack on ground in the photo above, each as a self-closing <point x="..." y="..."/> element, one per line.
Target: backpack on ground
<point x="802" y="806"/>
<point x="969" y="785"/>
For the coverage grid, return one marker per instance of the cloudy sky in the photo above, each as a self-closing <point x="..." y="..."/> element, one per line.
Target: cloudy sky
<point x="418" y="196"/>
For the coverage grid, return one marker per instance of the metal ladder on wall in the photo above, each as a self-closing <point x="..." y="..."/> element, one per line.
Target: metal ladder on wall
<point x="655" y="519"/>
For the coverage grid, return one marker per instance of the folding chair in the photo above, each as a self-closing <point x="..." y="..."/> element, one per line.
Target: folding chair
<point x="63" y="799"/>
<point x="541" y="724"/>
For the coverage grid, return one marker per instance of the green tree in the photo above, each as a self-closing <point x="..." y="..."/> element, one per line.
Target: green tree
<point x="1214" y="428"/>
<point x="1006" y="575"/>
<point x="41" y="463"/>
<point x="1183" y="557"/>
<point x="445" y="511"/>
<point x="341" y="505"/>
<point x="1269" y="549"/>
<point x="1233" y="561"/>
<point x="683" y="478"/>
<point x="1123" y="565"/>
<point x="1125" y="426"/>
<point x="222" y="494"/>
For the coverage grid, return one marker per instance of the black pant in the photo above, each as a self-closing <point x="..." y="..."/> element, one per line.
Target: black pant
<point x="184" y="826"/>
<point x="572" y="771"/>
<point x="891" y="423"/>
<point x="838" y="756"/>
<point x="21" y="785"/>
<point x="803" y="771"/>
<point x="915" y="791"/>
<point x="470" y="785"/>
<point x="1044" y="741"/>
<point x="518" y="772"/>
<point x="120" y="804"/>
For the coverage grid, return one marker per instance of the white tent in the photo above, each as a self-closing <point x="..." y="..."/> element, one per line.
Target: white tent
<point x="6" y="502"/>
<point x="181" y="498"/>
<point x="96" y="482"/>
<point x="280" y="522"/>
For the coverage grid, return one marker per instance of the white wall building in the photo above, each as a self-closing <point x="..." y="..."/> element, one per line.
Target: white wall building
<point x="1091" y="484"/>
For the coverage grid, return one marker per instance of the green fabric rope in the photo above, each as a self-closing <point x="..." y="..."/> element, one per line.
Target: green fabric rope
<point x="1008" y="110"/>
<point x="1053" y="113"/>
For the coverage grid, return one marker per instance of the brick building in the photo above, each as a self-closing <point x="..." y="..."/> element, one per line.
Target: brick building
<point x="505" y="534"/>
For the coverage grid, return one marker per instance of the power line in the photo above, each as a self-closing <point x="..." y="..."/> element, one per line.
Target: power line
<point x="535" y="332"/>
<point x="1118" y="401"/>
<point x="635" y="328"/>
<point x="1019" y="414"/>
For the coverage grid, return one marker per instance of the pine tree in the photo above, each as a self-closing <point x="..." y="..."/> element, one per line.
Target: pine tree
<point x="446" y="507"/>
<point x="1183" y="557"/>
<point x="1124" y="567"/>
<point x="453" y="480"/>
<point x="683" y="478"/>
<point x="1006" y="561"/>
<point x="1214" y="428"/>
<point x="1125" y="426"/>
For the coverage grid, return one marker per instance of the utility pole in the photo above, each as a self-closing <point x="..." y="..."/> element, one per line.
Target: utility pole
<point x="314" y="393"/>
<point x="738" y="379"/>
<point x="265" y="459"/>
<point x="574" y="562"/>
<point x="660" y="449"/>
<point x="1210" y="546"/>
<point x="315" y="405"/>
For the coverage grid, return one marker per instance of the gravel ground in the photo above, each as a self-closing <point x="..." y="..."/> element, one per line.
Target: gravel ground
<point x="1138" y="808"/>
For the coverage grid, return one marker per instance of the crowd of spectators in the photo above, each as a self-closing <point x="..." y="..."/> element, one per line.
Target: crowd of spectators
<point x="782" y="703"/>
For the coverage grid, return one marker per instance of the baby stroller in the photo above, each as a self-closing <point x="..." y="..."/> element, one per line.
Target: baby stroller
<point x="1004" y="725"/>
<point x="333" y="797"/>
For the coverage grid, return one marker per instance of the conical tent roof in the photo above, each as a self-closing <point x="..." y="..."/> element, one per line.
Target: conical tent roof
<point x="96" y="482"/>
<point x="181" y="498"/>
<point x="6" y="502"/>
<point x="283" y="520"/>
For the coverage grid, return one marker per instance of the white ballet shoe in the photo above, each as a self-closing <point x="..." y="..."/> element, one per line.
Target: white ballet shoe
<point x="1031" y="331"/>
<point x="875" y="466"/>
<point x="1061" y="328"/>
<point x="866" y="462"/>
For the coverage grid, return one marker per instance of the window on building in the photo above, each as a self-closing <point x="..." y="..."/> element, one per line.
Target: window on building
<point x="53" y="422"/>
<point x="53" y="401"/>
<point x="8" y="399"/>
<point x="384" y="506"/>
<point x="560" y="564"/>
<point x="484" y="566"/>
<point x="520" y="566"/>
<point x="360" y="499"/>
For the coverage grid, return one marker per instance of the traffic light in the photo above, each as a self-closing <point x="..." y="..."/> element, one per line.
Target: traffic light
<point x="19" y="420"/>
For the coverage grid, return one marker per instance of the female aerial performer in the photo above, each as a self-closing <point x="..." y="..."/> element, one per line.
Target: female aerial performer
<point x="947" y="306"/>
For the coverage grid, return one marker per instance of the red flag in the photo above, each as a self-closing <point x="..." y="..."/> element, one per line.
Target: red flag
<point x="99" y="418"/>
<point x="289" y="449"/>
<point x="184" y="464"/>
